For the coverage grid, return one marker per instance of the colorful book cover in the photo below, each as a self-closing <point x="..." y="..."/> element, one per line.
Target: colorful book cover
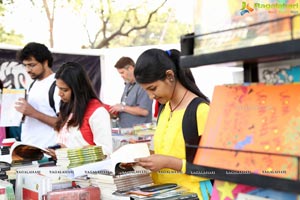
<point x="253" y="129"/>
<point x="224" y="190"/>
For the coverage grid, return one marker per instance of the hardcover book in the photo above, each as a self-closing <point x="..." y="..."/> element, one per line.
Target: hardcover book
<point x="251" y="135"/>
<point x="88" y="193"/>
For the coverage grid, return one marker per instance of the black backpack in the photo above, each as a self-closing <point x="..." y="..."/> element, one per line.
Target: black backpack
<point x="50" y="94"/>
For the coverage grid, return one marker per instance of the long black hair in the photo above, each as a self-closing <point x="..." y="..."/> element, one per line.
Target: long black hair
<point x="153" y="63"/>
<point x="74" y="75"/>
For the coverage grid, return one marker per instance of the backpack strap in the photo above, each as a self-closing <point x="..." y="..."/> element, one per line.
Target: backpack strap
<point x="160" y="108"/>
<point x="191" y="138"/>
<point x="50" y="95"/>
<point x="31" y="84"/>
<point x="190" y="128"/>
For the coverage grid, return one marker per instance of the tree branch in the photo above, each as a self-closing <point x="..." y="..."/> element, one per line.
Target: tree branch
<point x="50" y="20"/>
<point x="120" y="32"/>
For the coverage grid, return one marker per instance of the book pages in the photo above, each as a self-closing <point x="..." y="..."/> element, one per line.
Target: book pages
<point x="9" y="115"/>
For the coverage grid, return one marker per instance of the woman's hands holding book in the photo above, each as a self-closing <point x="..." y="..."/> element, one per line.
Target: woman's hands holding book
<point x="156" y="162"/>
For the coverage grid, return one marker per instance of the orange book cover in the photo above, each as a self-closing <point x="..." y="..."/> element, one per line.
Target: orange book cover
<point x="253" y="129"/>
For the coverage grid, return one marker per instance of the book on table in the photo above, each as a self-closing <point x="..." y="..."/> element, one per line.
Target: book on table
<point x="34" y="182"/>
<point x="121" y="161"/>
<point x="87" y="193"/>
<point x="119" y="172"/>
<point x="175" y="193"/>
<point x="25" y="153"/>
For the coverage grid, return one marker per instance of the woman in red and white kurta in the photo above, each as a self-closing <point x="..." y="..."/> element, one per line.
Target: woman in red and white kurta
<point x="83" y="119"/>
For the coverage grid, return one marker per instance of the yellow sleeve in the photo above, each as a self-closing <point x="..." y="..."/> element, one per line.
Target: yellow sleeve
<point x="202" y="114"/>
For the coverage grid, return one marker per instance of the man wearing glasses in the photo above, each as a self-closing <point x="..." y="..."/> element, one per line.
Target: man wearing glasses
<point x="39" y="117"/>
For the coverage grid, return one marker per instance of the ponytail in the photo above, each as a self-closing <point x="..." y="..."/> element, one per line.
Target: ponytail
<point x="184" y="75"/>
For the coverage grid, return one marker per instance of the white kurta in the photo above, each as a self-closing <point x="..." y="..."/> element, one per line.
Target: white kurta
<point x="100" y="125"/>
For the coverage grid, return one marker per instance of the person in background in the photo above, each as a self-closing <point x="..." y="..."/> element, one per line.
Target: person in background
<point x="159" y="73"/>
<point x="135" y="107"/>
<point x="2" y="129"/>
<point x="82" y="119"/>
<point x="40" y="117"/>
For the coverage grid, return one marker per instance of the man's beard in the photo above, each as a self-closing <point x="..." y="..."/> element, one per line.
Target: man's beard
<point x="37" y="77"/>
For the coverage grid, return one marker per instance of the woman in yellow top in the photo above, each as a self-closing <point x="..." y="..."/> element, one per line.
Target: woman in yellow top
<point x="159" y="73"/>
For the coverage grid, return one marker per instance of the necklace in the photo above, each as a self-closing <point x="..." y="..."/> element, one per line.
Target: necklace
<point x="172" y="109"/>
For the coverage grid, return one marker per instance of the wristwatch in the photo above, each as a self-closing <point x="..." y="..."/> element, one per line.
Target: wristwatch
<point x="123" y="104"/>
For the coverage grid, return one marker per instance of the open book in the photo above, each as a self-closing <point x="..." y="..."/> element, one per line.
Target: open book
<point x="21" y="152"/>
<point x="120" y="161"/>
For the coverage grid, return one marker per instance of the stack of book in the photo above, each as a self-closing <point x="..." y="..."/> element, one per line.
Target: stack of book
<point x="4" y="167"/>
<point x="144" y="129"/>
<point x="167" y="191"/>
<point x="118" y="172"/>
<point x="176" y="194"/>
<point x="109" y="184"/>
<point x="4" y="150"/>
<point x="88" y="193"/>
<point x="34" y="186"/>
<point x="82" y="181"/>
<point x="69" y="158"/>
<point x="34" y="182"/>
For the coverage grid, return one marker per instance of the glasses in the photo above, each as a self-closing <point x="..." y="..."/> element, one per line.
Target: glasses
<point x="30" y="65"/>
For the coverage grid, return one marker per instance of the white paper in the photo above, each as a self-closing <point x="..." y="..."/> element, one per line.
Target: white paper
<point x="105" y="165"/>
<point x="129" y="152"/>
<point x="9" y="115"/>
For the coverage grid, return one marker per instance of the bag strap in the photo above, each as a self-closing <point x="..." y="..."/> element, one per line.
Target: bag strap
<point x="190" y="128"/>
<point x="51" y="94"/>
<point x="30" y="86"/>
<point x="160" y="108"/>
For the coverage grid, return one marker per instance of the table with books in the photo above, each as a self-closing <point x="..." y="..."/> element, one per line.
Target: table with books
<point x="136" y="134"/>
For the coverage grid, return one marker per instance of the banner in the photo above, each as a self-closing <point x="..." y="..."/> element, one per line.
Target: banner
<point x="14" y="76"/>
